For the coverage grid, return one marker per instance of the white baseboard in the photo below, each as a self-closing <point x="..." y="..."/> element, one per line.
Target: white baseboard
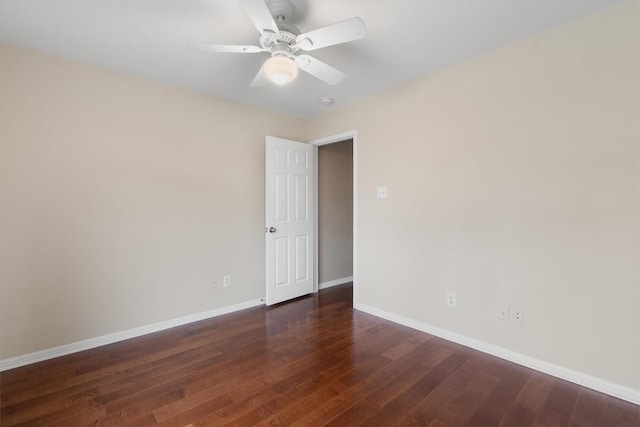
<point x="336" y="282"/>
<point x="63" y="350"/>
<point x="598" y="384"/>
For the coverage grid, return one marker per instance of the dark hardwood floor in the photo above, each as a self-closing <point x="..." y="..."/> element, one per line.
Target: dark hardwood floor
<point x="310" y="362"/>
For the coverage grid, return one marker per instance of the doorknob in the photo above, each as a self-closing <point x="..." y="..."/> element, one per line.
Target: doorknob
<point x="271" y="229"/>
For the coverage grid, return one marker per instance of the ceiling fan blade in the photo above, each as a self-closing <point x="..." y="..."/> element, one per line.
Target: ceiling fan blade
<point x="260" y="16"/>
<point x="341" y="32"/>
<point x="260" y="79"/>
<point x="319" y="69"/>
<point x="225" y="48"/>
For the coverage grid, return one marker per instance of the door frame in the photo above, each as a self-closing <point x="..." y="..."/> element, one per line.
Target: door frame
<point x="353" y="135"/>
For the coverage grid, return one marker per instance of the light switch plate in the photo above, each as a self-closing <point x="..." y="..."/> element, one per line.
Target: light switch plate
<point x="381" y="192"/>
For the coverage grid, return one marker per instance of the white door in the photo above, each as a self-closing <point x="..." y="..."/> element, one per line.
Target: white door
<point x="289" y="219"/>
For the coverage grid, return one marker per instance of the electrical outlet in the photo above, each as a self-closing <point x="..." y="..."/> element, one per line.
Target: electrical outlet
<point x="451" y="299"/>
<point x="504" y="312"/>
<point x="516" y="315"/>
<point x="226" y="281"/>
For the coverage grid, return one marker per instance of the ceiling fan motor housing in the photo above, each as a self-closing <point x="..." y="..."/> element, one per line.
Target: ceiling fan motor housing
<point x="281" y="11"/>
<point x="268" y="39"/>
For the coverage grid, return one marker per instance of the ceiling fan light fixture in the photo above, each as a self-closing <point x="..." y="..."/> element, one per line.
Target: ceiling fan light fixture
<point x="280" y="69"/>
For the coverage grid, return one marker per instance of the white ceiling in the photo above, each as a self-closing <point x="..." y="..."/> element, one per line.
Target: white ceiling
<point x="406" y="39"/>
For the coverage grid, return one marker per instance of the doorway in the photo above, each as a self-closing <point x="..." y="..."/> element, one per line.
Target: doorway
<point x="335" y="223"/>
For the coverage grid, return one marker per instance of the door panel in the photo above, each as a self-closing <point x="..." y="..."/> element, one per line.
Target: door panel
<point x="289" y="219"/>
<point x="302" y="258"/>
<point x="302" y="197"/>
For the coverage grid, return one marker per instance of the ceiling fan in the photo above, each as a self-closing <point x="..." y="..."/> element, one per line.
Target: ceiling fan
<point x="283" y="41"/>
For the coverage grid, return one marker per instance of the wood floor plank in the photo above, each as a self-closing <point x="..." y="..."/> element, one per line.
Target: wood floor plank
<point x="310" y="362"/>
<point x="429" y="374"/>
<point x="284" y="407"/>
<point x="589" y="410"/>
<point x="234" y="380"/>
<point x="356" y="392"/>
<point x="291" y="407"/>
<point x="77" y="415"/>
<point x="262" y="400"/>
<point x="458" y="411"/>
<point x="621" y="414"/>
<point x="136" y="370"/>
<point x="181" y="416"/>
<point x="428" y="408"/>
<point x="529" y="401"/>
<point x="354" y="414"/>
<point x="512" y="380"/>
<point x="559" y="405"/>
<point x="406" y="346"/>
<point x="431" y="357"/>
<point x="40" y="407"/>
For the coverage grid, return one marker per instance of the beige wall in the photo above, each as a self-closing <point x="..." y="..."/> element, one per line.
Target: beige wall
<point x="513" y="179"/>
<point x="335" y="211"/>
<point x="121" y="200"/>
